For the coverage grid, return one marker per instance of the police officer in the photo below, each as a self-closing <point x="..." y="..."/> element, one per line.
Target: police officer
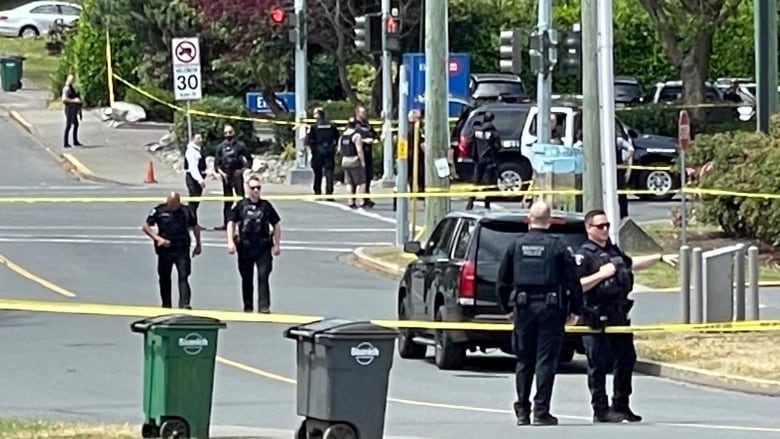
<point x="195" y="168"/>
<point x="322" y="142"/>
<point x="254" y="231"/>
<point x="537" y="277"/>
<point x="230" y="160"/>
<point x="172" y="245"/>
<point x="369" y="138"/>
<point x="485" y="145"/>
<point x="606" y="275"/>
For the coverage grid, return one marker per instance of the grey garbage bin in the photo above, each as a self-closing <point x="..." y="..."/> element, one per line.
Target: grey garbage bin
<point x="343" y="374"/>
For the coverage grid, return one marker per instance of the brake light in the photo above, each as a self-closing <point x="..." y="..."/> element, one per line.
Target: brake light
<point x="462" y="147"/>
<point x="466" y="281"/>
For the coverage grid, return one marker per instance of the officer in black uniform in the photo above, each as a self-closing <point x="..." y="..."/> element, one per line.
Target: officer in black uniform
<point x="369" y="137"/>
<point x="230" y="160"/>
<point x="254" y="232"/>
<point x="484" y="148"/>
<point x="172" y="245"/>
<point x="538" y="278"/>
<point x="606" y="275"/>
<point x="322" y="142"/>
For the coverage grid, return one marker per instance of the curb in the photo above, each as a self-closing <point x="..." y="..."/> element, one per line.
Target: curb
<point x="16" y="117"/>
<point x="647" y="367"/>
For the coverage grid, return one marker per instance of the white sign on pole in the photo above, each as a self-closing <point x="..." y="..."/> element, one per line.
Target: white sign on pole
<point x="185" y="54"/>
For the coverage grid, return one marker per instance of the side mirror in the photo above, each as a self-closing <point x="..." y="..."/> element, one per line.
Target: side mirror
<point x="413" y="247"/>
<point x="632" y="133"/>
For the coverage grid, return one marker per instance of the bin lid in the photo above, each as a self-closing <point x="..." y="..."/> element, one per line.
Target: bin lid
<point x="337" y="328"/>
<point x="175" y="320"/>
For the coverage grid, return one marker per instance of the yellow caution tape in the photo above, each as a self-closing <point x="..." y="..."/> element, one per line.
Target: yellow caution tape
<point x="104" y="309"/>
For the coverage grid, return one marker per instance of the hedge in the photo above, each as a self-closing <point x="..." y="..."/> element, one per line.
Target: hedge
<point x="211" y="127"/>
<point x="747" y="162"/>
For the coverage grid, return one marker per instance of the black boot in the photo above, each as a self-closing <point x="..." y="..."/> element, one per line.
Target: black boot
<point x="625" y="411"/>
<point x="545" y="419"/>
<point x="607" y="415"/>
<point x="523" y="415"/>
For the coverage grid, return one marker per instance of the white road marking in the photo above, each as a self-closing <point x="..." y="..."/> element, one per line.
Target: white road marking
<point x="51" y="188"/>
<point x="117" y="228"/>
<point x="360" y="212"/>
<point x="203" y="239"/>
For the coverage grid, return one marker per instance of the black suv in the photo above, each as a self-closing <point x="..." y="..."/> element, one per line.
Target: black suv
<point x="454" y="277"/>
<point x="492" y="87"/>
<point x="513" y="167"/>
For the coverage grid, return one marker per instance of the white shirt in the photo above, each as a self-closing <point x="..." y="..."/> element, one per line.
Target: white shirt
<point x="192" y="156"/>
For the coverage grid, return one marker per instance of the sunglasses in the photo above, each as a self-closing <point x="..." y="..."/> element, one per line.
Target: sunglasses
<point x="254" y="188"/>
<point x="602" y="226"/>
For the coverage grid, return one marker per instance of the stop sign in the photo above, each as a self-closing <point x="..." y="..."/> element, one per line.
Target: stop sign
<point x="683" y="130"/>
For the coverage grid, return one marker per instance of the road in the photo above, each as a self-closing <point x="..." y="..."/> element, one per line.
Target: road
<point x="72" y="367"/>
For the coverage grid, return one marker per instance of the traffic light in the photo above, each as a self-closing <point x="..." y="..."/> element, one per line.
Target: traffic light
<point x="393" y="34"/>
<point x="510" y="51"/>
<point x="277" y="15"/>
<point x="571" y="59"/>
<point x="368" y="33"/>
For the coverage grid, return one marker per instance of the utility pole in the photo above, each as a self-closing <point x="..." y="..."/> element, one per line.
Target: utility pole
<point x="402" y="204"/>
<point x="544" y="76"/>
<point x="591" y="151"/>
<point x="387" y="100"/>
<point x="300" y="173"/>
<point x="607" y="113"/>
<point x="437" y="139"/>
<point x="765" y="25"/>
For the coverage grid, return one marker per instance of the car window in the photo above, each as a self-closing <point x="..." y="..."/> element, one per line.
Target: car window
<point x="509" y="123"/>
<point x="674" y="93"/>
<point x="46" y="9"/>
<point x="561" y="117"/>
<point x="499" y="88"/>
<point x="463" y="239"/>
<point x="626" y="92"/>
<point x="439" y="243"/>
<point x="69" y="10"/>
<point x="495" y="237"/>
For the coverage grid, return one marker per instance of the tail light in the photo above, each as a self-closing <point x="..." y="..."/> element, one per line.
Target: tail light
<point x="466" y="281"/>
<point x="462" y="147"/>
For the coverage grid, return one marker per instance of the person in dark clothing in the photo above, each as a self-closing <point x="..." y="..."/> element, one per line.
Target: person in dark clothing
<point x="606" y="276"/>
<point x="353" y="161"/>
<point x="322" y="142"/>
<point x="369" y="137"/>
<point x="231" y="159"/>
<point x="254" y="232"/>
<point x="484" y="148"/>
<point x="172" y="241"/>
<point x="195" y="168"/>
<point x="537" y="283"/>
<point x="622" y="145"/>
<point x="73" y="106"/>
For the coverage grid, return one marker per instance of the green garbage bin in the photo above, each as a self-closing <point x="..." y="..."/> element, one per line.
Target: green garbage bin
<point x="179" y="357"/>
<point x="9" y="73"/>
<point x="19" y="68"/>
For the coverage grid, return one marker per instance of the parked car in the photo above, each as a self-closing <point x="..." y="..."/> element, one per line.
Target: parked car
<point x="454" y="279"/>
<point x="628" y="91"/>
<point x="492" y="87"/>
<point x="36" y="18"/>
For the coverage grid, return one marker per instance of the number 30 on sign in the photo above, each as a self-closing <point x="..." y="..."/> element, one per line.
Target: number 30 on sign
<point x="185" y="57"/>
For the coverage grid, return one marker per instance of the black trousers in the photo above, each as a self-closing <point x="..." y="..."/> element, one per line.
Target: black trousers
<point x="368" y="154"/>
<point x="195" y="190"/>
<point x="71" y="121"/>
<point x="248" y="259"/>
<point x="622" y="198"/>
<point x="609" y="353"/>
<point x="233" y="185"/>
<point x="484" y="173"/>
<point x="165" y="264"/>
<point x="323" y="165"/>
<point x="537" y="341"/>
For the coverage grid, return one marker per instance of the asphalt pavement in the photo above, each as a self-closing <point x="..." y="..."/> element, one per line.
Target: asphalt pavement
<point x="89" y="368"/>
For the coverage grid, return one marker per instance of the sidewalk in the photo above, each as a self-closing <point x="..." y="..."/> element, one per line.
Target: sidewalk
<point x="229" y="431"/>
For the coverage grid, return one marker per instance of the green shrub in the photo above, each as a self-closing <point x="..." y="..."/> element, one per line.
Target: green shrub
<point x="155" y="111"/>
<point x="211" y="127"/>
<point x="747" y="162"/>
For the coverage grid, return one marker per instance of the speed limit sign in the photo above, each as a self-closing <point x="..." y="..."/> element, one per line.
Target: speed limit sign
<point x="185" y="54"/>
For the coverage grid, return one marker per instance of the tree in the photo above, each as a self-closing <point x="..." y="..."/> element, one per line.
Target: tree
<point x="686" y="29"/>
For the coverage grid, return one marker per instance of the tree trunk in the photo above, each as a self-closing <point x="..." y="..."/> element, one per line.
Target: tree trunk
<point x="694" y="70"/>
<point x="341" y="60"/>
<point x="376" y="93"/>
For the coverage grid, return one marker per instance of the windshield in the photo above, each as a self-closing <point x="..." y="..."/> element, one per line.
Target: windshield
<point x="499" y="88"/>
<point x="495" y="237"/>
<point x="626" y="92"/>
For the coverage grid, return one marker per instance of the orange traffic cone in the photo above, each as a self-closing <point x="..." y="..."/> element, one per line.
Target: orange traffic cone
<point x="150" y="173"/>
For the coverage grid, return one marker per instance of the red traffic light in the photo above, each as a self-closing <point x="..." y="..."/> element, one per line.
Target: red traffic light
<point x="277" y="15"/>
<point x="392" y="25"/>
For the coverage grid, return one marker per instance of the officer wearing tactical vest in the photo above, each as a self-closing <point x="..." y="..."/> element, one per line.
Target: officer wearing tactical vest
<point x="322" y="141"/>
<point x="606" y="275"/>
<point x="172" y="245"/>
<point x="254" y="231"/>
<point x="195" y="167"/>
<point x="230" y="160"/>
<point x="538" y="284"/>
<point x="485" y="145"/>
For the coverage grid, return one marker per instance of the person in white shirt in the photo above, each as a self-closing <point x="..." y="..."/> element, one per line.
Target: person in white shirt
<point x="195" y="168"/>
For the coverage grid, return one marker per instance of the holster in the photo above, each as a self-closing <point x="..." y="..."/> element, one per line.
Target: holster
<point x="593" y="316"/>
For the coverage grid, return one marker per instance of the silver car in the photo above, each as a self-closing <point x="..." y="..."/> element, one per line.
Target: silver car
<point x="35" y="18"/>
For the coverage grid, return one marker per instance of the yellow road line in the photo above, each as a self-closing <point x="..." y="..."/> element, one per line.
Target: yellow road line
<point x="21" y="271"/>
<point x="80" y="167"/>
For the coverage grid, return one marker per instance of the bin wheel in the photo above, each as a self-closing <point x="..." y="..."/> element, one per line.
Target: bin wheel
<point x="149" y="431"/>
<point x="301" y="434"/>
<point x="339" y="431"/>
<point x="174" y="428"/>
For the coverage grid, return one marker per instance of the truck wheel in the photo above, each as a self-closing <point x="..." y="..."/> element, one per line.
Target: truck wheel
<point x="512" y="175"/>
<point x="174" y="429"/>
<point x="339" y="431"/>
<point x="661" y="182"/>
<point x="449" y="355"/>
<point x="407" y="348"/>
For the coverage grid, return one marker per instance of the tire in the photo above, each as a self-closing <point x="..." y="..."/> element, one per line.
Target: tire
<point x="661" y="182"/>
<point x="449" y="355"/>
<point x="149" y="431"/>
<point x="174" y="429"/>
<point x="28" y="32"/>
<point x="407" y="348"/>
<point x="339" y="431"/>
<point x="301" y="434"/>
<point x="512" y="175"/>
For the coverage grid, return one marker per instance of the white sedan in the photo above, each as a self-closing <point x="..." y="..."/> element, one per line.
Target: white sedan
<point x="35" y="18"/>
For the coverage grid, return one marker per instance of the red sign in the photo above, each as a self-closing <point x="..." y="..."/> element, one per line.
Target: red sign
<point x="453" y="66"/>
<point x="277" y="15"/>
<point x="683" y="130"/>
<point x="392" y="26"/>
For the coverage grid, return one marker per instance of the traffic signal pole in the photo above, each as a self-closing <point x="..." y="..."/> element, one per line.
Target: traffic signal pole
<point x="300" y="173"/>
<point x="544" y="78"/>
<point x="387" y="101"/>
<point x="591" y="144"/>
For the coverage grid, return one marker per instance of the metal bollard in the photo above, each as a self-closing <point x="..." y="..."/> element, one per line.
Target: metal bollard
<point x="739" y="283"/>
<point x="685" y="284"/>
<point x="752" y="298"/>
<point x="697" y="302"/>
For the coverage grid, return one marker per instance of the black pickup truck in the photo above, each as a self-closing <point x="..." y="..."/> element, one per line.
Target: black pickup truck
<point x="453" y="279"/>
